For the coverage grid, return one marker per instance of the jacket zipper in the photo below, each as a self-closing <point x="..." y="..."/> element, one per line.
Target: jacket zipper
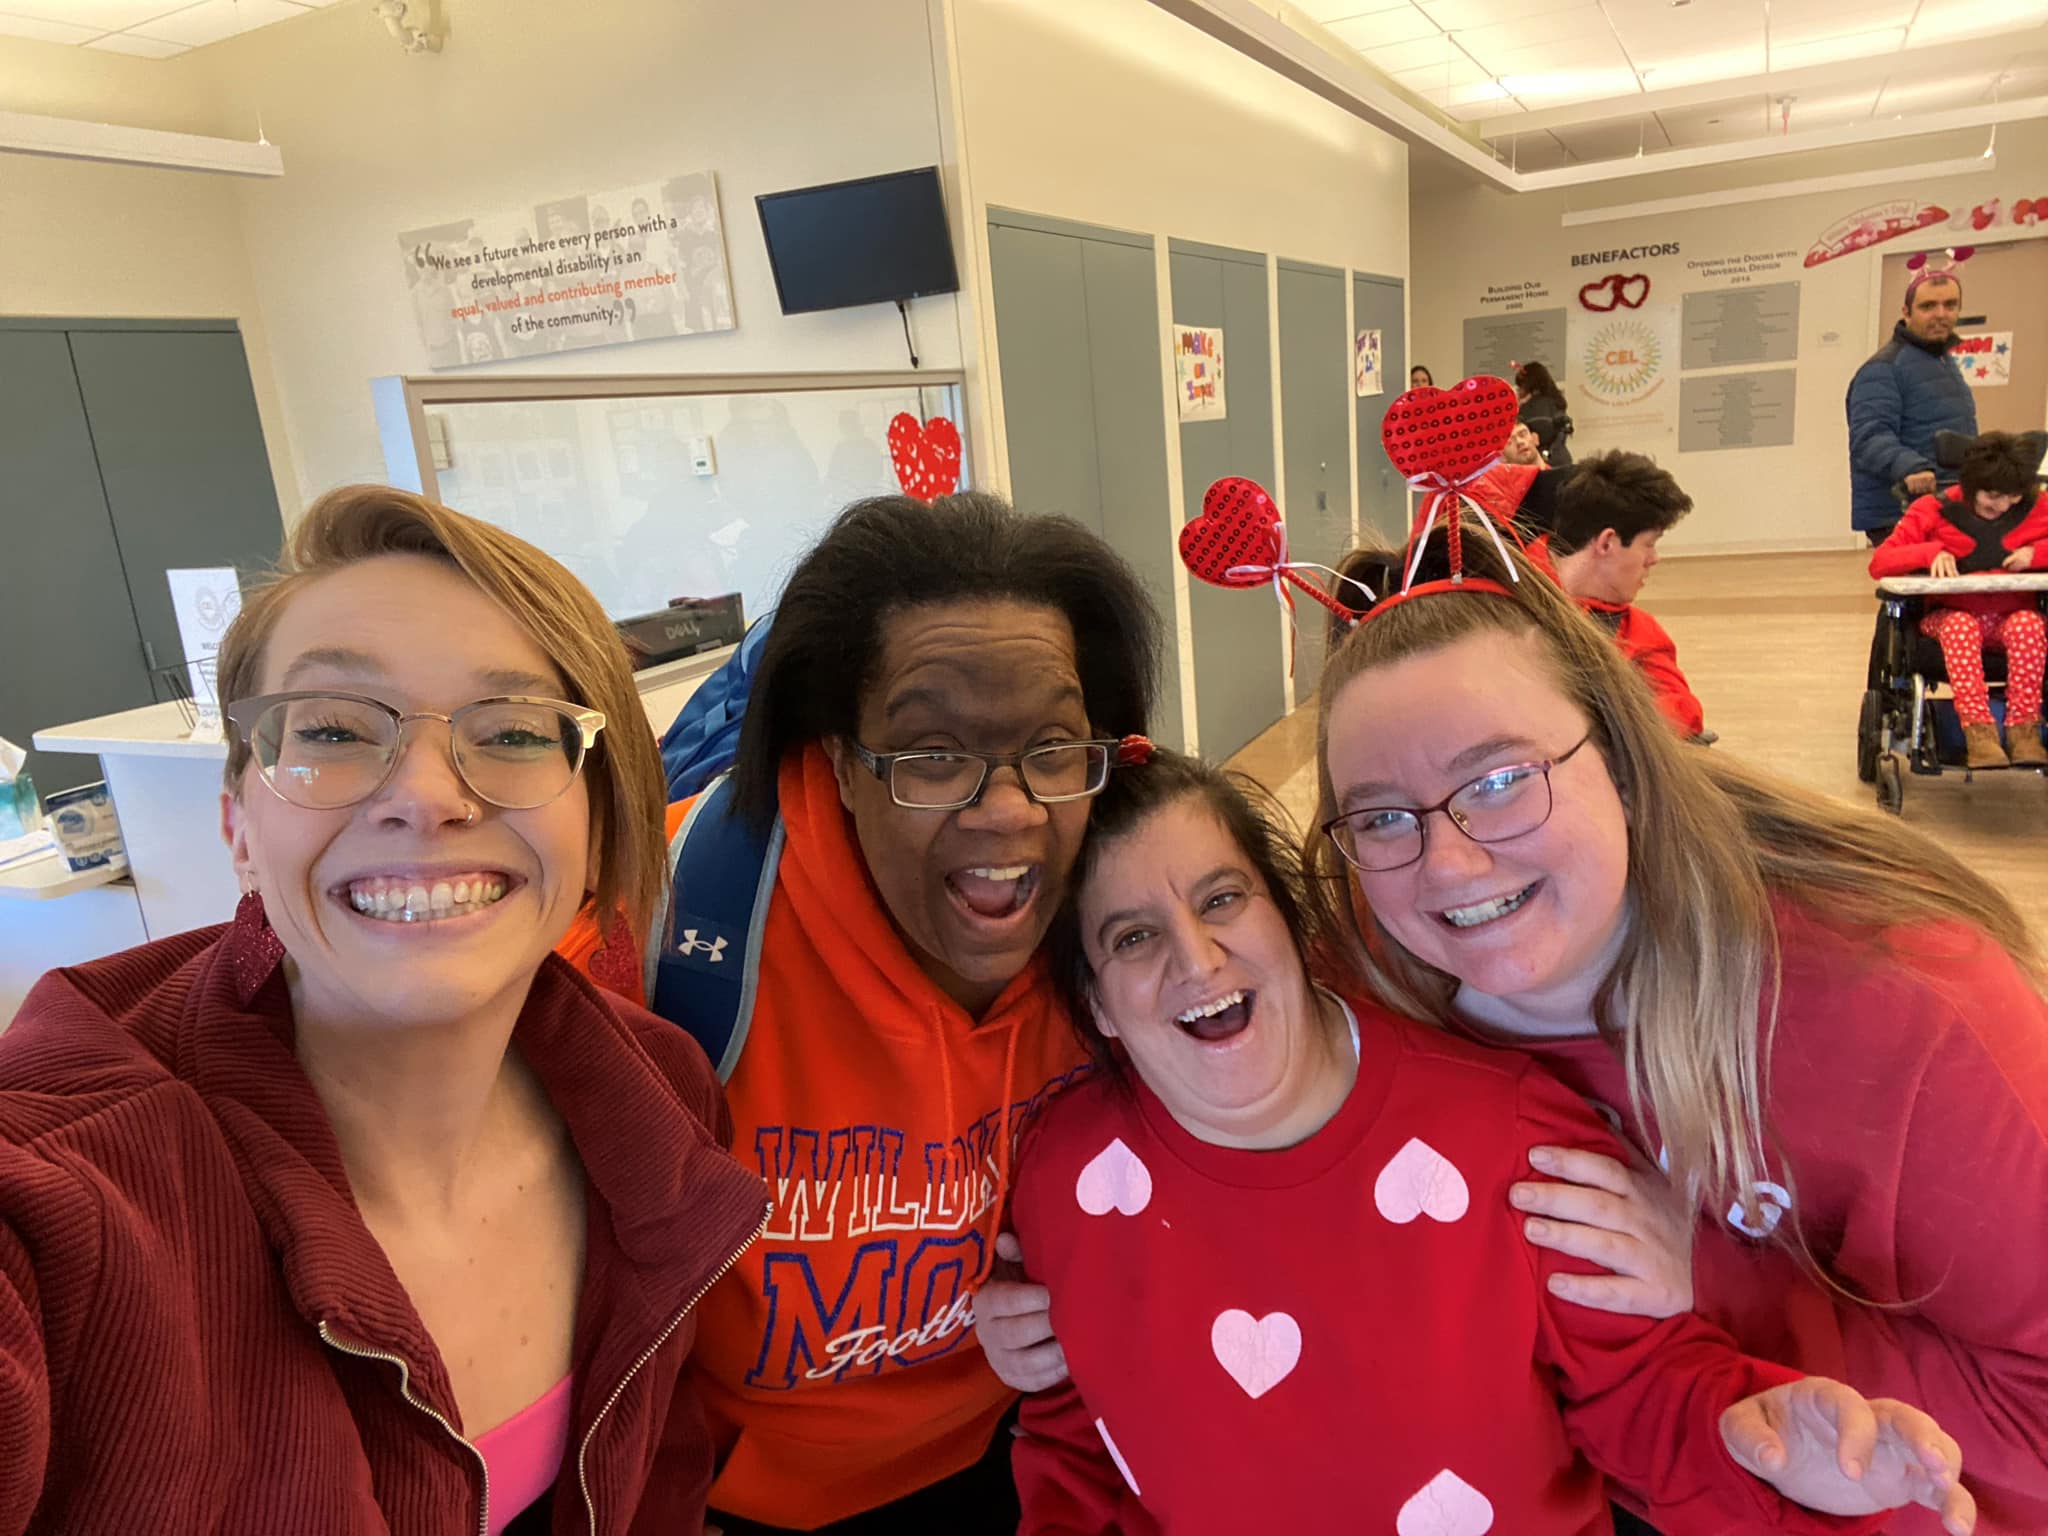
<point x="483" y="1514"/>
<point x="583" y="1452"/>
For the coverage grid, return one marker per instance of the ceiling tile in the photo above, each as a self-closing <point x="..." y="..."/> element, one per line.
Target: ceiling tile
<point x="1451" y="74"/>
<point x="1463" y="15"/>
<point x="1940" y="21"/>
<point x="45" y="31"/>
<point x="1424" y="52"/>
<point x="1662" y="72"/>
<point x="1473" y="111"/>
<point x="1614" y="140"/>
<point x="1831" y="50"/>
<point x="1793" y="20"/>
<point x="212" y="20"/>
<point x="105" y="15"/>
<point x="1723" y="123"/>
<point x="1563" y="87"/>
<point x="1548" y="58"/>
<point x="139" y="47"/>
<point x="1384" y="28"/>
<point x="1325" y="11"/>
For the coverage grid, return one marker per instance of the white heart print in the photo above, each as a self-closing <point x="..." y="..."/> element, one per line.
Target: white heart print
<point x="1258" y="1352"/>
<point x="1446" y="1505"/>
<point x="1116" y="1179"/>
<point x="1420" y="1181"/>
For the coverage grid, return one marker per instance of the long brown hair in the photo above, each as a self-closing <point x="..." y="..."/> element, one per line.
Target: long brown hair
<point x="1690" y="1003"/>
<point x="361" y="522"/>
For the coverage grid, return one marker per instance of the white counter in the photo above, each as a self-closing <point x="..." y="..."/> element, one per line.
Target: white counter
<point x="167" y="792"/>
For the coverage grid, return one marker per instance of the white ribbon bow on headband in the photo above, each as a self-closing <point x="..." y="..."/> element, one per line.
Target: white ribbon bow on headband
<point x="1281" y="565"/>
<point x="1440" y="487"/>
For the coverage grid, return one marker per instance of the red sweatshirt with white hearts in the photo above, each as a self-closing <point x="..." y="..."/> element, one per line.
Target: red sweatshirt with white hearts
<point x="1353" y="1334"/>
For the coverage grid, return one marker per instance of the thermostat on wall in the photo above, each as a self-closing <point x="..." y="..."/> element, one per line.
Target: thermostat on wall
<point x="703" y="459"/>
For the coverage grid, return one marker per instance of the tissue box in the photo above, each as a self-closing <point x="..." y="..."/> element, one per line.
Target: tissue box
<point x="88" y="832"/>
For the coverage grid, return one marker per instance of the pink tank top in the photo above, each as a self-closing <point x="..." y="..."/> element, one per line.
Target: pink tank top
<point x="524" y="1454"/>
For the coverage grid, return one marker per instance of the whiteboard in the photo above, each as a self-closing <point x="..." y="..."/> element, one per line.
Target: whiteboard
<point x="607" y="487"/>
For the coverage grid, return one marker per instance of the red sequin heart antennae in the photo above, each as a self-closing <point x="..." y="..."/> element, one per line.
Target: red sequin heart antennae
<point x="1443" y="440"/>
<point x="1240" y="541"/>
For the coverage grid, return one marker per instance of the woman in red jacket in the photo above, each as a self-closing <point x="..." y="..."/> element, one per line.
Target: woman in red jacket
<point x="1995" y="520"/>
<point x="366" y="1213"/>
<point x="1275" y="1212"/>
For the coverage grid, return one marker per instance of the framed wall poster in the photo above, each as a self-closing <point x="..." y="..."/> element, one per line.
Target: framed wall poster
<point x="1198" y="372"/>
<point x="590" y="270"/>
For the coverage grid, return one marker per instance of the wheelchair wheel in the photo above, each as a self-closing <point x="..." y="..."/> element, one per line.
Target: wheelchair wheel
<point x="1869" y="735"/>
<point x="1891" y="783"/>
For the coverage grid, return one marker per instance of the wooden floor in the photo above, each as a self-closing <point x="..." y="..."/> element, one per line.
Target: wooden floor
<point x="1776" y="647"/>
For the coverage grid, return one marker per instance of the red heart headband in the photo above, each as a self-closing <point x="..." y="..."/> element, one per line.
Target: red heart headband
<point x="1443" y="440"/>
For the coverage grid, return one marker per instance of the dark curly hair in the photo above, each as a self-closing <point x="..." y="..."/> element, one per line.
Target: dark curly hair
<point x="2003" y="463"/>
<point x="891" y="553"/>
<point x="1256" y="823"/>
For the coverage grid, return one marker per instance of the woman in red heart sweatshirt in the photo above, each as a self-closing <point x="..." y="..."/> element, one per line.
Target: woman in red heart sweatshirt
<point x="1289" y="1282"/>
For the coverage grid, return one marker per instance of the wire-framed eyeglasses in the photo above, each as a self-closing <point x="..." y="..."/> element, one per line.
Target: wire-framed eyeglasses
<point x="954" y="780"/>
<point x="323" y="751"/>
<point x="1500" y="804"/>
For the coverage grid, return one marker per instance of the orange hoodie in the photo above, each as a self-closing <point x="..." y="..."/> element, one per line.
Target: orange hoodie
<point x="838" y="1362"/>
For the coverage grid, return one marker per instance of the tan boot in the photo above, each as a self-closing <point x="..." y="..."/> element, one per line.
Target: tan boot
<point x="2023" y="744"/>
<point x="1982" y="748"/>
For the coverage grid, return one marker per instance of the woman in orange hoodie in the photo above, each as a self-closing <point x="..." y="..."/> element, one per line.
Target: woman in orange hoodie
<point x="942" y="692"/>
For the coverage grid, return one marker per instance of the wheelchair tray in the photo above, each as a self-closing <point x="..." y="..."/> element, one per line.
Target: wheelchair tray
<point x="1933" y="586"/>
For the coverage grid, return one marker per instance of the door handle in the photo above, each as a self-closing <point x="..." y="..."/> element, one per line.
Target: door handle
<point x="149" y="655"/>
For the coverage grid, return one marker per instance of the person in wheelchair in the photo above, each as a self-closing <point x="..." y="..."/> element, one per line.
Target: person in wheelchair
<point x="1995" y="520"/>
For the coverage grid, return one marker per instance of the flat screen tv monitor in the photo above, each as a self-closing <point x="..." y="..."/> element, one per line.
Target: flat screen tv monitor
<point x="872" y="241"/>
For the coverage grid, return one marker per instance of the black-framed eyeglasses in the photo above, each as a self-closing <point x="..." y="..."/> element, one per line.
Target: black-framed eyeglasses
<point x="322" y="751"/>
<point x="1500" y="804"/>
<point x="951" y="781"/>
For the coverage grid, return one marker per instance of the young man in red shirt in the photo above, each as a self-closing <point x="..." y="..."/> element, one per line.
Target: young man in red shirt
<point x="1601" y="548"/>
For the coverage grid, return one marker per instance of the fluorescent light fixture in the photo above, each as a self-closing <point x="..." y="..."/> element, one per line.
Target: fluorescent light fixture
<point x="1975" y="165"/>
<point x="27" y="133"/>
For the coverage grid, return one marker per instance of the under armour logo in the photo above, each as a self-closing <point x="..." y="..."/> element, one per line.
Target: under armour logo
<point x="692" y="945"/>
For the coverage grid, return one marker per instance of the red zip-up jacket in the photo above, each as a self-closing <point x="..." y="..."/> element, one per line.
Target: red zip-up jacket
<point x="1925" y="531"/>
<point x="197" y="1331"/>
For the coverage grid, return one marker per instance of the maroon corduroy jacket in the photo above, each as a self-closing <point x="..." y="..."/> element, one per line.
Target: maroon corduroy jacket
<point x="198" y="1333"/>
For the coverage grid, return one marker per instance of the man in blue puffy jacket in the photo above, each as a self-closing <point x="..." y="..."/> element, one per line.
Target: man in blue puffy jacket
<point x="1909" y="390"/>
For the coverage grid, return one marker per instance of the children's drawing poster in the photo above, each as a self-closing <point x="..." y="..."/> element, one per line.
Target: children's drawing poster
<point x="1365" y="365"/>
<point x="1986" y="359"/>
<point x="1198" y="372"/>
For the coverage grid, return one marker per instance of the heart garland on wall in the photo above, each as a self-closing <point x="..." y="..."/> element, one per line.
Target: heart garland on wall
<point x="1615" y="291"/>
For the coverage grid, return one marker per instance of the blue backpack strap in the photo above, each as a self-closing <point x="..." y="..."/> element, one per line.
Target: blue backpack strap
<point x="705" y="737"/>
<point x="704" y="960"/>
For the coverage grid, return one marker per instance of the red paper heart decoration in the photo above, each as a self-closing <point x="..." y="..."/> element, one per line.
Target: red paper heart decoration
<point x="1452" y="433"/>
<point x="927" y="457"/>
<point x="1234" y="530"/>
<point x="1606" y="293"/>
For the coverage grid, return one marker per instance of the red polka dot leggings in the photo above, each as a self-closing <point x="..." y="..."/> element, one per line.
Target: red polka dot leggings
<point x="2022" y="635"/>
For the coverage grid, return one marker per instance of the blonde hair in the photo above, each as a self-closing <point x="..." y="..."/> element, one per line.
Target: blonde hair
<point x="628" y="793"/>
<point x="1690" y="1003"/>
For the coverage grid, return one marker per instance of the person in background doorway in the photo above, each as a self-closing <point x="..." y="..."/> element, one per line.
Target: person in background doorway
<point x="365" y="1211"/>
<point x="1544" y="412"/>
<point x="1994" y="520"/>
<point x="1419" y="378"/>
<point x="1611" y="512"/>
<point x="1909" y="390"/>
